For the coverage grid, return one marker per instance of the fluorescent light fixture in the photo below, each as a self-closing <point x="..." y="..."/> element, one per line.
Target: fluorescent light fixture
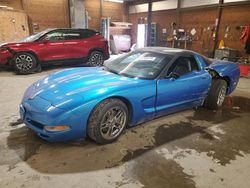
<point x="116" y="1"/>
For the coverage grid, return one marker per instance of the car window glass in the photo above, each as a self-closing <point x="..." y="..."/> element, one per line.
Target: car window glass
<point x="130" y="58"/>
<point x="145" y="65"/>
<point x="72" y="35"/>
<point x="180" y="66"/>
<point x="87" y="33"/>
<point x="193" y="64"/>
<point x="184" y="65"/>
<point x="35" y="36"/>
<point x="55" y="36"/>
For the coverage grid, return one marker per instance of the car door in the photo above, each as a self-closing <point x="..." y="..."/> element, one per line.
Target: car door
<point x="77" y="43"/>
<point x="51" y="46"/>
<point x="74" y="44"/>
<point x="185" y="85"/>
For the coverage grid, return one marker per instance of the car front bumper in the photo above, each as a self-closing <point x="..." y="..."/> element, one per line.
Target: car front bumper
<point x="5" y="57"/>
<point x="37" y="113"/>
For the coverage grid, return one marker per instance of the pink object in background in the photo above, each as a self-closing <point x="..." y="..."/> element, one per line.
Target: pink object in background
<point x="122" y="42"/>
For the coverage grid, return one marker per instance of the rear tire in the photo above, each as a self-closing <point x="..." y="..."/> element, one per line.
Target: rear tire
<point x="25" y="63"/>
<point x="96" y="58"/>
<point x="216" y="94"/>
<point x="107" y="121"/>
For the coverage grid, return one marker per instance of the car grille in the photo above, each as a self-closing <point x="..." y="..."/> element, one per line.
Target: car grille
<point x="35" y="124"/>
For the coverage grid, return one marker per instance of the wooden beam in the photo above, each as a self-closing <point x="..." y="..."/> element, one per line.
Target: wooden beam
<point x="178" y="10"/>
<point x="101" y="9"/>
<point x="68" y="4"/>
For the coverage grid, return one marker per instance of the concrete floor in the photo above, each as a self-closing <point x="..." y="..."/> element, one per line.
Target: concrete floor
<point x="194" y="148"/>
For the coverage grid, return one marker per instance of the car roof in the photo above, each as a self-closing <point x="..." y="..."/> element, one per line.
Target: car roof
<point x="72" y="29"/>
<point x="166" y="50"/>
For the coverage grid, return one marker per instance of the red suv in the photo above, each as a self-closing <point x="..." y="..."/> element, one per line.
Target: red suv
<point x="55" y="46"/>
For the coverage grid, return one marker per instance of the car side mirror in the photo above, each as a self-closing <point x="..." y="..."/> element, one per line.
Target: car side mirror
<point x="173" y="75"/>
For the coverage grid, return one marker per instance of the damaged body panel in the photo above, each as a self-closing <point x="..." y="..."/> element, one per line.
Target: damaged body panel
<point x="6" y="54"/>
<point x="228" y="71"/>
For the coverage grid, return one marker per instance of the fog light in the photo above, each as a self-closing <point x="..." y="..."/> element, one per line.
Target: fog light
<point x="56" y="128"/>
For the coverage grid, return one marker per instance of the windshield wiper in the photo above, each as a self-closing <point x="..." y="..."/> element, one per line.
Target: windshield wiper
<point x="127" y="75"/>
<point x="118" y="73"/>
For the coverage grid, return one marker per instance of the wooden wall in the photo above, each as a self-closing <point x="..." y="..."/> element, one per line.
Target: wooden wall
<point x="13" y="25"/>
<point x="55" y="13"/>
<point x="16" y="4"/>
<point x="93" y="8"/>
<point x="117" y="11"/>
<point x="47" y="14"/>
<point x="203" y="20"/>
<point x="42" y="14"/>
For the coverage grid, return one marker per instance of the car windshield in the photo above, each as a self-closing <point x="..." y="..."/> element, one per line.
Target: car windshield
<point x="145" y="65"/>
<point x="36" y="36"/>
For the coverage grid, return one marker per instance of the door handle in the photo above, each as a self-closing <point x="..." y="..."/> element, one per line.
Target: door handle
<point x="203" y="77"/>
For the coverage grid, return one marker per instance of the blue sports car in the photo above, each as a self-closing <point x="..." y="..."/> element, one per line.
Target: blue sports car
<point x="100" y="102"/>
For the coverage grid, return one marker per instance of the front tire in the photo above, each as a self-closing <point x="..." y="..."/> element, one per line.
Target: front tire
<point x="96" y="58"/>
<point x="107" y="121"/>
<point x="216" y="94"/>
<point x="25" y="63"/>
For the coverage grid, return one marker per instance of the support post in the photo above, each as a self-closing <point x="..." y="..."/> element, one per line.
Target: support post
<point x="217" y="27"/>
<point x="149" y="22"/>
<point x="101" y="9"/>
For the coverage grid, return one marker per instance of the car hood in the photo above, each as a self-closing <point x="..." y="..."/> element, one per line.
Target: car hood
<point x="79" y="85"/>
<point x="15" y="44"/>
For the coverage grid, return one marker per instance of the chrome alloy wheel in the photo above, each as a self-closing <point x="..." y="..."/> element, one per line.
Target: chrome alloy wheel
<point x="113" y="123"/>
<point x="24" y="62"/>
<point x="96" y="59"/>
<point x="222" y="95"/>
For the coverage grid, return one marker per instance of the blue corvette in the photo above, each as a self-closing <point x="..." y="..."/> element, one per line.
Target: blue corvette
<point x="144" y="84"/>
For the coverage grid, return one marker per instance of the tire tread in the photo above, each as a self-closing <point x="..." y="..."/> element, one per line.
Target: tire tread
<point x="211" y="99"/>
<point x="95" y="118"/>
